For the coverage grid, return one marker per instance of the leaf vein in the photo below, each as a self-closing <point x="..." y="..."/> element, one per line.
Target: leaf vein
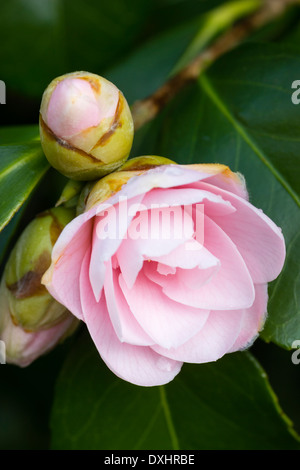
<point x="212" y="94"/>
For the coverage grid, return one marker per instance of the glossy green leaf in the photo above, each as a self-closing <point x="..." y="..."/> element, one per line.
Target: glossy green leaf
<point x="51" y="37"/>
<point x="169" y="13"/>
<point x="17" y="134"/>
<point x="224" y="405"/>
<point x="241" y="114"/>
<point x="21" y="168"/>
<point x="212" y="24"/>
<point x="167" y="53"/>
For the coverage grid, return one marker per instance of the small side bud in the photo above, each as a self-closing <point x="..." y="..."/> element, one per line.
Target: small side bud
<point x="86" y="127"/>
<point x="23" y="347"/>
<point x="31" y="321"/>
<point x="30" y="304"/>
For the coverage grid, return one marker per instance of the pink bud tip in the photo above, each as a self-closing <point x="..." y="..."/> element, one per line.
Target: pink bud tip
<point x="72" y="108"/>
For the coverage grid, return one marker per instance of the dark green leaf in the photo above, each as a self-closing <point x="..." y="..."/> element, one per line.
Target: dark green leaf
<point x="167" y="53"/>
<point x="21" y="168"/>
<point x="31" y="52"/>
<point x="224" y="405"/>
<point x="51" y="37"/>
<point x="17" y="134"/>
<point x="169" y="13"/>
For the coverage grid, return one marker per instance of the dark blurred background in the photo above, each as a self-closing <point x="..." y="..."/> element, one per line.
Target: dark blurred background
<point x="40" y="40"/>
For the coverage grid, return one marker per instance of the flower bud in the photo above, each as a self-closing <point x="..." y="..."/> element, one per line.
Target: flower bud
<point x="23" y="347"/>
<point x="30" y="305"/>
<point x="86" y="126"/>
<point x="113" y="182"/>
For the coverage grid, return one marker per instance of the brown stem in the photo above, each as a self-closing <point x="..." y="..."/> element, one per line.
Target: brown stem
<point x="146" y="109"/>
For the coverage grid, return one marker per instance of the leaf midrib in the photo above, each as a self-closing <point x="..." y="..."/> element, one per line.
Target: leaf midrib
<point x="30" y="158"/>
<point x="168" y="417"/>
<point x="219" y="103"/>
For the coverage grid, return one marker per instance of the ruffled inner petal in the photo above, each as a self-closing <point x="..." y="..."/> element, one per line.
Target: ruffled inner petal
<point x="257" y="238"/>
<point x="231" y="287"/>
<point x="213" y="341"/>
<point x="110" y="227"/>
<point x="125" y="325"/>
<point x="156" y="233"/>
<point x="167" y="322"/>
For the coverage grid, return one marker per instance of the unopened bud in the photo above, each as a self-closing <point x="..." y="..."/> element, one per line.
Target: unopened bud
<point x="23" y="347"/>
<point x="86" y="126"/>
<point x="30" y="305"/>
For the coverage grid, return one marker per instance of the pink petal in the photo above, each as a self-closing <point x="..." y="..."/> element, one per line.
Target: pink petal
<point x="164" y="176"/>
<point x="168" y="323"/>
<point x="188" y="255"/>
<point x="230" y="288"/>
<point x="235" y="185"/>
<point x="253" y="319"/>
<point x="185" y="197"/>
<point x="165" y="269"/>
<point x="213" y="341"/>
<point x="157" y="240"/>
<point x="68" y="233"/>
<point x="181" y="279"/>
<point x="108" y="234"/>
<point x="62" y="278"/>
<point x="124" y="323"/>
<point x="72" y="108"/>
<point x="136" y="364"/>
<point x="258" y="239"/>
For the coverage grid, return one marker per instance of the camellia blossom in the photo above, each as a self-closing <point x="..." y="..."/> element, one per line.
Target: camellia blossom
<point x="151" y="303"/>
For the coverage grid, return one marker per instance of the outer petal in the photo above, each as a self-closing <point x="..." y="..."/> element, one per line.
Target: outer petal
<point x="222" y="177"/>
<point x="253" y="319"/>
<point x="136" y="364"/>
<point x="258" y="239"/>
<point x="62" y="278"/>
<point x="185" y="197"/>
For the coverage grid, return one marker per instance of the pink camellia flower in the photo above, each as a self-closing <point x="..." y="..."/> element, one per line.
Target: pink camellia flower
<point x="168" y="264"/>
